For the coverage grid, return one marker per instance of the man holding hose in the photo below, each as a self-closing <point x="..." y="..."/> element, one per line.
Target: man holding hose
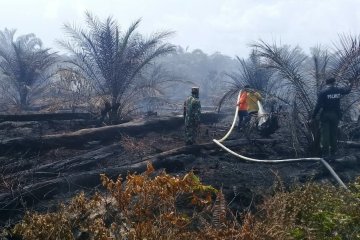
<point x="247" y="105"/>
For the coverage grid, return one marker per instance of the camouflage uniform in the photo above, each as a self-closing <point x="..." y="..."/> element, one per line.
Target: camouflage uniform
<point x="192" y="112"/>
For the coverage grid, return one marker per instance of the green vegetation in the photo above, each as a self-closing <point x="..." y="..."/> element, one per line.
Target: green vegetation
<point x="161" y="206"/>
<point x="313" y="211"/>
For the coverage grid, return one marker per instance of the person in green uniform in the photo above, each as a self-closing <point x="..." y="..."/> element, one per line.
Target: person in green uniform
<point x="192" y="113"/>
<point x="329" y="102"/>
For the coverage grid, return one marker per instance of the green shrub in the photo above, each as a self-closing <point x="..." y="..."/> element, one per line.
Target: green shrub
<point x="162" y="206"/>
<point x="313" y="211"/>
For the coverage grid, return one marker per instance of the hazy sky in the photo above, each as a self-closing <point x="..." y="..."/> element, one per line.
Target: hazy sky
<point x="226" y="26"/>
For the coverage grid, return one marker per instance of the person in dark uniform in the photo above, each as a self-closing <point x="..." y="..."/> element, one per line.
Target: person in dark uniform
<point x="192" y="113"/>
<point x="329" y="102"/>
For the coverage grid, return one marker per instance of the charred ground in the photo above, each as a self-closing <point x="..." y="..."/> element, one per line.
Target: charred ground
<point x="47" y="162"/>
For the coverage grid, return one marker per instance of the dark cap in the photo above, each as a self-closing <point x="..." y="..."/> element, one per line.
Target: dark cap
<point x="330" y="80"/>
<point x="195" y="90"/>
<point x="247" y="86"/>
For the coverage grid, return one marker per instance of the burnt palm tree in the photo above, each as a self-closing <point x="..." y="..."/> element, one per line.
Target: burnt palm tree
<point x="154" y="90"/>
<point x="25" y="66"/>
<point x="250" y="72"/>
<point x="112" y="60"/>
<point x="304" y="76"/>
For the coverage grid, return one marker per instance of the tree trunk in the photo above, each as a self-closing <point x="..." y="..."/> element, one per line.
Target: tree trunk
<point x="23" y="97"/>
<point x="114" y="113"/>
<point x="314" y="145"/>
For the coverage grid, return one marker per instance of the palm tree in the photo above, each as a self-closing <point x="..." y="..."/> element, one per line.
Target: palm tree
<point x="113" y="60"/>
<point x="154" y="90"/>
<point x="26" y="67"/>
<point x="250" y="72"/>
<point x="304" y="77"/>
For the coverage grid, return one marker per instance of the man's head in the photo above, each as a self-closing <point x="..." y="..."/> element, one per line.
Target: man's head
<point x="195" y="92"/>
<point x="247" y="88"/>
<point x="330" y="81"/>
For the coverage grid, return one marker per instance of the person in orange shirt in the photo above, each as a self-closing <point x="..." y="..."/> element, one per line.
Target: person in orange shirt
<point x="242" y="107"/>
<point x="252" y="101"/>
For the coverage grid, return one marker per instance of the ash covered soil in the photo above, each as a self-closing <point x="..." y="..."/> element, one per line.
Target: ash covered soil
<point x="45" y="163"/>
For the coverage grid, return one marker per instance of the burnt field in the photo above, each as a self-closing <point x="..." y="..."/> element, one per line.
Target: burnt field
<point x="48" y="161"/>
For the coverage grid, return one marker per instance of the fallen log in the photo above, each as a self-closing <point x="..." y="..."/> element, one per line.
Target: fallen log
<point x="91" y="159"/>
<point x="80" y="163"/>
<point x="194" y="149"/>
<point x="85" y="179"/>
<point x="12" y="202"/>
<point x="78" y="138"/>
<point x="44" y="117"/>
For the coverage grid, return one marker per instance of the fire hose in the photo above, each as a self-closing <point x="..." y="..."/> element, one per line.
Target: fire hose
<point x="219" y="143"/>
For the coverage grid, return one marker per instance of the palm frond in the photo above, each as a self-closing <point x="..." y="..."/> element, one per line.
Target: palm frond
<point x="288" y="64"/>
<point x="219" y="210"/>
<point x="346" y="60"/>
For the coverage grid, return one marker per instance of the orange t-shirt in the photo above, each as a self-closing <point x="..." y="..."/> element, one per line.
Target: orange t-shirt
<point x="242" y="103"/>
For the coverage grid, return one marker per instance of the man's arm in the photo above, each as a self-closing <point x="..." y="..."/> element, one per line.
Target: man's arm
<point x="345" y="90"/>
<point x="258" y="96"/>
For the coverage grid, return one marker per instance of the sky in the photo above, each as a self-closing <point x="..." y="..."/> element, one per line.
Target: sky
<point x="225" y="26"/>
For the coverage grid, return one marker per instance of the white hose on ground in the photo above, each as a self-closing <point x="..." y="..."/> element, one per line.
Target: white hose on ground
<point x="218" y="142"/>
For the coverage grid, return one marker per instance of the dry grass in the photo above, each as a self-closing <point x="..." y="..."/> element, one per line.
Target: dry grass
<point x="137" y="147"/>
<point x="161" y="206"/>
